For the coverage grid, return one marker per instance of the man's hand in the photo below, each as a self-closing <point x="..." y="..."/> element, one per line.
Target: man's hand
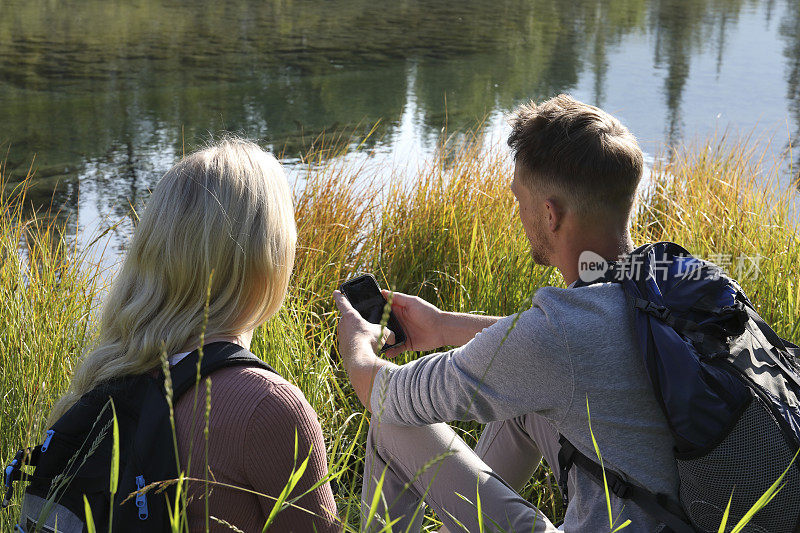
<point x="359" y="341"/>
<point x="427" y="327"/>
<point x="420" y="320"/>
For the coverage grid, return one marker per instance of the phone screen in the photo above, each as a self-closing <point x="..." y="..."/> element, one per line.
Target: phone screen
<point x="365" y="296"/>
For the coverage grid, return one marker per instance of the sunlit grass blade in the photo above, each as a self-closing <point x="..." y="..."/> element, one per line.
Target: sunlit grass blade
<point x="623" y="525"/>
<point x="724" y="522"/>
<point x="89" y="517"/>
<point x="114" y="470"/>
<point x="600" y="461"/>
<point x="765" y="498"/>
<point x="376" y="499"/>
<point x="478" y="506"/>
<point x="294" y="479"/>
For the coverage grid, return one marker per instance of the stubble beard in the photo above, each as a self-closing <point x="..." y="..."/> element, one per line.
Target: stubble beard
<point x="540" y="251"/>
<point x="539" y="257"/>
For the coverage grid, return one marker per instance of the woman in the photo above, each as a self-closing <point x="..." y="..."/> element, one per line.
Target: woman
<point x="219" y="224"/>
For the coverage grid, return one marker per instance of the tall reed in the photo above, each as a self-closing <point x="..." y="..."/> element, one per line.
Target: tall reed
<point x="448" y="231"/>
<point x="47" y="293"/>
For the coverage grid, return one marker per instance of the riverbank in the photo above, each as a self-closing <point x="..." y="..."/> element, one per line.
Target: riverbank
<point x="449" y="233"/>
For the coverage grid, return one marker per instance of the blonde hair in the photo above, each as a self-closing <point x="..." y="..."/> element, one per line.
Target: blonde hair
<point x="221" y="215"/>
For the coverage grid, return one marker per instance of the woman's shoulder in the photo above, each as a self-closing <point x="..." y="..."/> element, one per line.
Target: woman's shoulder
<point x="244" y="393"/>
<point x="248" y="376"/>
<point x="253" y="383"/>
<point x="260" y="394"/>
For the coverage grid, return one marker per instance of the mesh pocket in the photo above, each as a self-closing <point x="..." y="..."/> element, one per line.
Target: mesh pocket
<point x="48" y="515"/>
<point x="746" y="463"/>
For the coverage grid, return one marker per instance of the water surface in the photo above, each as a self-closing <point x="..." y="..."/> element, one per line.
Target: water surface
<point x="106" y="94"/>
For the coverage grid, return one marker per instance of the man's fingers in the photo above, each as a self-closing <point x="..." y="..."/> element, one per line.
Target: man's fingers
<point x="399" y="305"/>
<point x="343" y="303"/>
<point x="394" y="351"/>
<point x="397" y="298"/>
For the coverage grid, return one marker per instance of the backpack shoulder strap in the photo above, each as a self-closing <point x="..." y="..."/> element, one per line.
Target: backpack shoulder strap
<point x="659" y="506"/>
<point x="216" y="355"/>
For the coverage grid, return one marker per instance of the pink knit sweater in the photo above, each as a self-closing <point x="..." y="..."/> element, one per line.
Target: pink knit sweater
<point x="254" y="416"/>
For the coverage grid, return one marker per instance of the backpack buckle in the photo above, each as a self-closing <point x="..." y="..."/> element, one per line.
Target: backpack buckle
<point x="619" y="487"/>
<point x="566" y="458"/>
<point x="11" y="474"/>
<point x="659" y="311"/>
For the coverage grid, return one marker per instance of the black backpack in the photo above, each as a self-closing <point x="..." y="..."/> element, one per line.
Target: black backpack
<point x="728" y="386"/>
<point x="75" y="458"/>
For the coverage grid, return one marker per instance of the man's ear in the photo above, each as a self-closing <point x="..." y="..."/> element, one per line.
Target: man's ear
<point x="555" y="214"/>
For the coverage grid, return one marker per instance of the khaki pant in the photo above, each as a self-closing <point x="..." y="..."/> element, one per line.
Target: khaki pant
<point x="432" y="465"/>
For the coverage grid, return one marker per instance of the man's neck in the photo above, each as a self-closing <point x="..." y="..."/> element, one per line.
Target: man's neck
<point x="609" y="246"/>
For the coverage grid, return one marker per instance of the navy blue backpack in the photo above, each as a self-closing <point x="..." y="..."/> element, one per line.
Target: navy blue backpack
<point x="728" y="386"/>
<point x="74" y="461"/>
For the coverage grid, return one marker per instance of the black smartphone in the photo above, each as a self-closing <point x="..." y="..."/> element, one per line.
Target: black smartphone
<point x="365" y="295"/>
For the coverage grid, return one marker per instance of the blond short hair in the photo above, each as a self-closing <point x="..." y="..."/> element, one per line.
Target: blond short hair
<point x="579" y="152"/>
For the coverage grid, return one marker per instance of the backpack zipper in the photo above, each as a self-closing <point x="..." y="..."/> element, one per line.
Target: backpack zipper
<point x="47" y="440"/>
<point x="141" y="499"/>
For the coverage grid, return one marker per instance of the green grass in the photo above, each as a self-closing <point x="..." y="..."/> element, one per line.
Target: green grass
<point x="448" y="232"/>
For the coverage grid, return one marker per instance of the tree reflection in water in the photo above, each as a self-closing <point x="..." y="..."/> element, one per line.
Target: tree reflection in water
<point x="109" y="94"/>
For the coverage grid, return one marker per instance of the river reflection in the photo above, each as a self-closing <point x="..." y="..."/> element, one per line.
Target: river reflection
<point x="108" y="94"/>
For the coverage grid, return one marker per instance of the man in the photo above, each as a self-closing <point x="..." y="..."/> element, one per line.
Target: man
<point x="528" y="377"/>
